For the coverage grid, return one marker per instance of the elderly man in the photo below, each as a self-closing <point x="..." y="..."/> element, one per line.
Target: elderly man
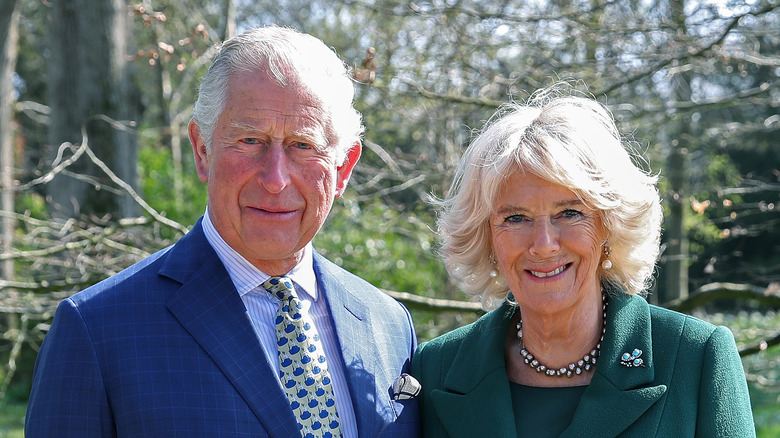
<point x="241" y="328"/>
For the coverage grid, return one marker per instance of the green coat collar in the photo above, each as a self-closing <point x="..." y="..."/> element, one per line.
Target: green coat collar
<point x="476" y="386"/>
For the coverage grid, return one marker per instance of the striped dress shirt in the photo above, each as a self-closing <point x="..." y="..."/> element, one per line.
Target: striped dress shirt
<point x="261" y="307"/>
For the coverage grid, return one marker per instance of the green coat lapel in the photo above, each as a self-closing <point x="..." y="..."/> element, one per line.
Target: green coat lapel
<point x="475" y="399"/>
<point x="619" y="393"/>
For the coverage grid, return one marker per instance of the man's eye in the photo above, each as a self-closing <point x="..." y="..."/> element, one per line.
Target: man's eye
<point x="302" y="145"/>
<point x="251" y="140"/>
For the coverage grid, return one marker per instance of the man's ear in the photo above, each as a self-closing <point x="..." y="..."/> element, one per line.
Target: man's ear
<point x="199" y="150"/>
<point x="345" y="170"/>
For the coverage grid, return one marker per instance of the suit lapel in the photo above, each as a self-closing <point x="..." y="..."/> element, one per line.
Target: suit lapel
<point x="208" y="306"/>
<point x="352" y="323"/>
<point x="617" y="392"/>
<point x="476" y="385"/>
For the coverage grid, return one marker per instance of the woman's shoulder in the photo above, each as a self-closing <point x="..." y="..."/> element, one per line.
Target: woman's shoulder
<point x="693" y="333"/>
<point x="667" y="318"/>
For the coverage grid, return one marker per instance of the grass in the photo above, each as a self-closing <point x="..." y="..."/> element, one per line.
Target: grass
<point x="12" y="419"/>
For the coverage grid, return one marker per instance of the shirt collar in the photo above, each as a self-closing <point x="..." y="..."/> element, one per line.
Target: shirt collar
<point x="247" y="277"/>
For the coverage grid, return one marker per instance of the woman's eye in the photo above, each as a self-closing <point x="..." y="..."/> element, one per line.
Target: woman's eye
<point x="572" y="214"/>
<point x="515" y="218"/>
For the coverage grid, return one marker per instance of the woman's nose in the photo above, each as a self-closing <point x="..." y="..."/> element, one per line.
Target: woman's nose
<point x="545" y="238"/>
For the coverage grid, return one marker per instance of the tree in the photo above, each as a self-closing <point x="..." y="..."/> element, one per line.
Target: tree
<point x="9" y="21"/>
<point x="676" y="254"/>
<point x="91" y="89"/>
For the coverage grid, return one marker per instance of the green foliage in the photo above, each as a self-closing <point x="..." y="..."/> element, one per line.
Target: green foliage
<point x="394" y="250"/>
<point x="391" y="249"/>
<point x="31" y="204"/>
<point x="720" y="171"/>
<point x="12" y="419"/>
<point x="156" y="172"/>
<point x="702" y="233"/>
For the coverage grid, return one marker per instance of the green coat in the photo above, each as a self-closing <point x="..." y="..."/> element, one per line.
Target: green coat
<point x="692" y="382"/>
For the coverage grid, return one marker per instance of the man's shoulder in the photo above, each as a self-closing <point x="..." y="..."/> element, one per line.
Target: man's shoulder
<point x="322" y="263"/>
<point x="125" y="281"/>
<point x="152" y="273"/>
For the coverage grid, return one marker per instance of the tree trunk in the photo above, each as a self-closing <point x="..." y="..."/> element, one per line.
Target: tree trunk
<point x="89" y="80"/>
<point x="228" y="21"/>
<point x="677" y="240"/>
<point x="9" y="38"/>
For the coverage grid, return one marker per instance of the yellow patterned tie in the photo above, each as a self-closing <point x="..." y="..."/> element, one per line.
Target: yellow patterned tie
<point x="303" y="369"/>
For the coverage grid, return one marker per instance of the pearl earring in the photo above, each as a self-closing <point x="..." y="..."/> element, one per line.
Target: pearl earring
<point x="494" y="262"/>
<point x="607" y="263"/>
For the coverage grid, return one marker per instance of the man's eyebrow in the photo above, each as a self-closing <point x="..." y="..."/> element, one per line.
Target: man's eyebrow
<point x="305" y="132"/>
<point x="245" y="127"/>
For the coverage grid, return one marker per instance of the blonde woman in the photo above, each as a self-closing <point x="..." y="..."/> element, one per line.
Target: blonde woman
<point x="553" y="225"/>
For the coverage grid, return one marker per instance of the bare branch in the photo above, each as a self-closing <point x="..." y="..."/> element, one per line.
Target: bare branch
<point x="385" y="156"/>
<point x="690" y="53"/>
<point x="61" y="166"/>
<point x="760" y="346"/>
<point x="489" y="103"/>
<point x="21" y="336"/>
<point x="717" y="291"/>
<point x="394" y="189"/>
<point x="133" y="194"/>
<point x="434" y="304"/>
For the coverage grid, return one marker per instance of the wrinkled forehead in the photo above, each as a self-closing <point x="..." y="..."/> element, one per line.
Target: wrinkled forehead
<point x="293" y="97"/>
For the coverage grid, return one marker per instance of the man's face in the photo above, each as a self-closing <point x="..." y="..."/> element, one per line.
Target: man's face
<point x="270" y="170"/>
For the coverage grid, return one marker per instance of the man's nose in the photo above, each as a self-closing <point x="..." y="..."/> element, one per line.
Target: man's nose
<point x="274" y="173"/>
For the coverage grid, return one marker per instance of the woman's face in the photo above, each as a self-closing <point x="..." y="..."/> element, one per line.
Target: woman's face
<point x="547" y="244"/>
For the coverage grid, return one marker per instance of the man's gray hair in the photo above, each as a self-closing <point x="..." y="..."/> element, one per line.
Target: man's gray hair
<point x="285" y="55"/>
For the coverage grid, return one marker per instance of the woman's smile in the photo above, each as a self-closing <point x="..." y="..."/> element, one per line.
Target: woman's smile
<point x="552" y="273"/>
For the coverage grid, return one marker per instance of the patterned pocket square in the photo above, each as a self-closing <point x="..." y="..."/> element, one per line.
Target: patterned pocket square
<point x="406" y="387"/>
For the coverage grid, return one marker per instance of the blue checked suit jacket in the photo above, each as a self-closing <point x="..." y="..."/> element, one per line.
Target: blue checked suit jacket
<point x="166" y="349"/>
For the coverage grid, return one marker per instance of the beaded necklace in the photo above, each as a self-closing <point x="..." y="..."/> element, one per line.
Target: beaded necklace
<point x="575" y="368"/>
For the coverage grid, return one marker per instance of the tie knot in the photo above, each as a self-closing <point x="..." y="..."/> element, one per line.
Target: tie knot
<point x="281" y="287"/>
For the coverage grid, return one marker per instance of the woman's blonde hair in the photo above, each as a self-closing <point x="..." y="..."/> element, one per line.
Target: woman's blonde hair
<point x="568" y="140"/>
